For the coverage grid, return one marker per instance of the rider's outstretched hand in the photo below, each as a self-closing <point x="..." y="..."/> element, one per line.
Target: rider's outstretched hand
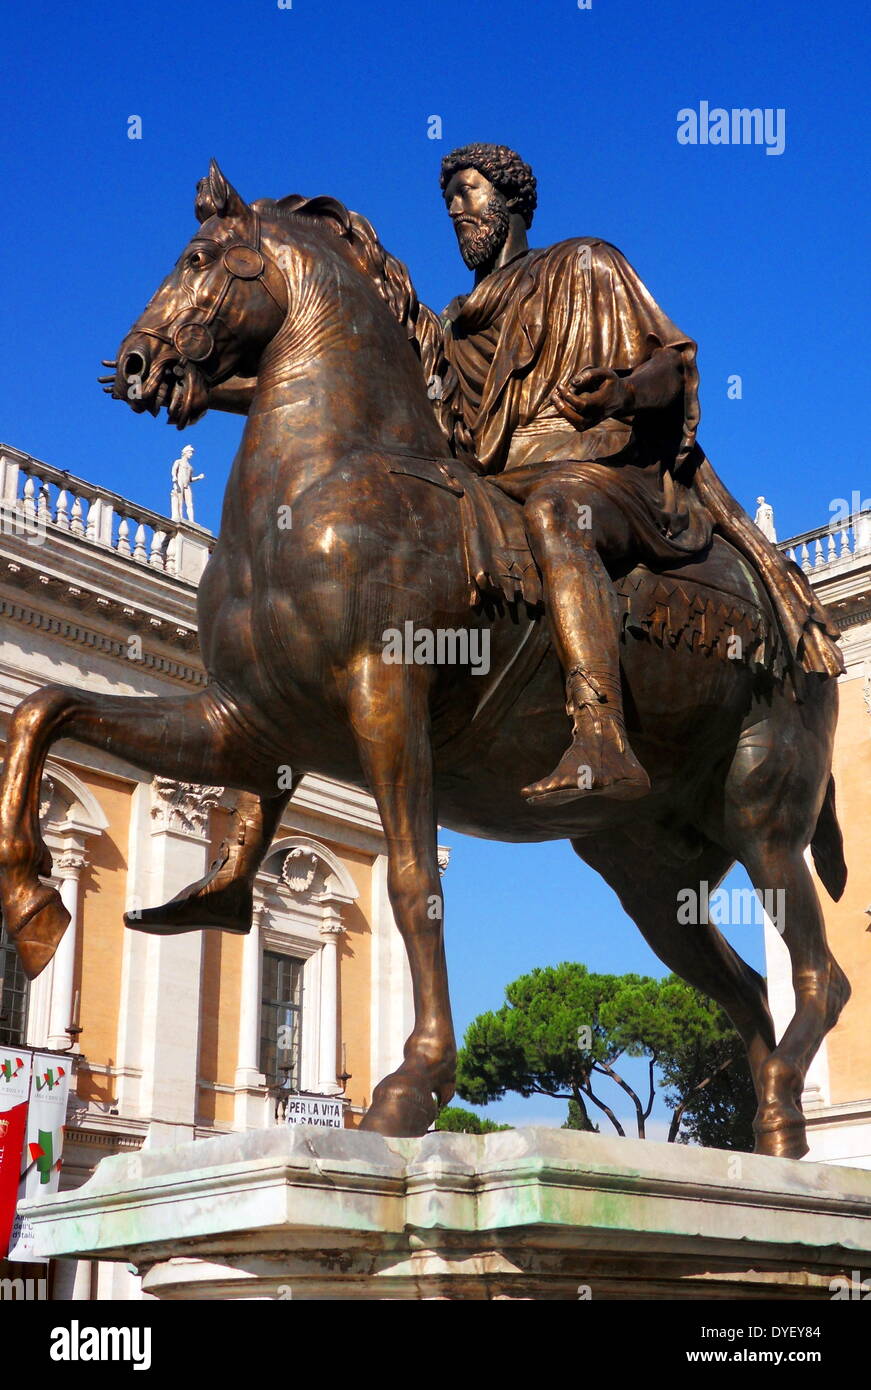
<point x="596" y="394"/>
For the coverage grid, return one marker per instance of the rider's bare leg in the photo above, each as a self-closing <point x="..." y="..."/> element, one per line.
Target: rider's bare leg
<point x="570" y="527"/>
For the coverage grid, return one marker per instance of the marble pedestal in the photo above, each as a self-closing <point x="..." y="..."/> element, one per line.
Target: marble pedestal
<point x="304" y="1213"/>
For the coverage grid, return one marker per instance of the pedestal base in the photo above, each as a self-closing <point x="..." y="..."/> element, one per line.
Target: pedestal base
<point x="307" y="1213"/>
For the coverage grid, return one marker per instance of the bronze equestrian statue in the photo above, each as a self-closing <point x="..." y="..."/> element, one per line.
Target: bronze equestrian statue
<point x="384" y="432"/>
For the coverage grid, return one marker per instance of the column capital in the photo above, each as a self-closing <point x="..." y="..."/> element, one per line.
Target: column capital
<point x="183" y="806"/>
<point x="69" y="864"/>
<point x="331" y="922"/>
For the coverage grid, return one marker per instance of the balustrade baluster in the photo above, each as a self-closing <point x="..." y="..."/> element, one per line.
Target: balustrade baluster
<point x="158" y="540"/>
<point x="171" y="550"/>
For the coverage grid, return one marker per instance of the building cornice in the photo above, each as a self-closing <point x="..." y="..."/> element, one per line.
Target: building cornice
<point x="851" y="1112"/>
<point x="86" y="635"/>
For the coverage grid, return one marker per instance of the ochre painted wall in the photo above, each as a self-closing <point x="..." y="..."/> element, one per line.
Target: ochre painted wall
<point x="103" y="892"/>
<point x="221" y="999"/>
<point x="219" y="1026"/>
<point x="847" y="921"/>
<point x="355" y="979"/>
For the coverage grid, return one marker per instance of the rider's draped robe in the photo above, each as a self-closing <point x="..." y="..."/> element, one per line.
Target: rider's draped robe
<point x="531" y="328"/>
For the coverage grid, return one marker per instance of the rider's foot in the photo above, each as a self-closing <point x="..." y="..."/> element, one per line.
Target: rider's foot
<point x="599" y="761"/>
<point x="618" y="775"/>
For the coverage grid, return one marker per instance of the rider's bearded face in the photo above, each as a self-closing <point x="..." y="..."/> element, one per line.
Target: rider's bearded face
<point x="480" y="216"/>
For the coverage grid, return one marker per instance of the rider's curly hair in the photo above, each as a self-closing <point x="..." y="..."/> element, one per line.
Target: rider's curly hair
<point x="505" y="170"/>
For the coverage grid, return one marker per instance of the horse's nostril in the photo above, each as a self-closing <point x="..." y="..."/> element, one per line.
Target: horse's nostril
<point x="134" y="365"/>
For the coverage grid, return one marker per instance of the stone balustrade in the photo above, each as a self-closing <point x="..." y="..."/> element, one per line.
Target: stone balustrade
<point x="829" y="547"/>
<point x="36" y="497"/>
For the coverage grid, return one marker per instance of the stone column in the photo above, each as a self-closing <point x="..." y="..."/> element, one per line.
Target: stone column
<point x="68" y="869"/>
<point x="250" y="1105"/>
<point x="391" y="1010"/>
<point x="331" y="930"/>
<point x="171" y="986"/>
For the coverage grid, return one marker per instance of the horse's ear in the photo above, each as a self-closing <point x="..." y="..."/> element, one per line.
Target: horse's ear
<point x="216" y="197"/>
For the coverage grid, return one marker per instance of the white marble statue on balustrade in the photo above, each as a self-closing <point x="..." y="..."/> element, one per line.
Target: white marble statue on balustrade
<point x="764" y="518"/>
<point x="182" y="495"/>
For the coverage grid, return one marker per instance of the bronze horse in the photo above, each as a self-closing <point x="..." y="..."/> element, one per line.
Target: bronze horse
<point x="292" y="622"/>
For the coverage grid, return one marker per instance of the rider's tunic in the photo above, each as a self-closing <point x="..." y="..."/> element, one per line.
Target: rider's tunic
<point x="529" y="329"/>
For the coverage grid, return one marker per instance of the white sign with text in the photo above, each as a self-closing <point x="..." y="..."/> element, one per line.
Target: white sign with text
<point x="315" y="1110"/>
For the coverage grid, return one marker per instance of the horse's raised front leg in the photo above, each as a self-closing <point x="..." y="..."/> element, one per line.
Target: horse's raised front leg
<point x="388" y="708"/>
<point x="193" y="738"/>
<point x="222" y="899"/>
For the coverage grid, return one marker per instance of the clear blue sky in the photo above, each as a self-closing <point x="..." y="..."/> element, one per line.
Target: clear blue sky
<point x="760" y="258"/>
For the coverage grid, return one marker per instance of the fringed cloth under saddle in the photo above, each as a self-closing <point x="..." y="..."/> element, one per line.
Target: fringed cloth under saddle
<point x="499" y="563"/>
<point x="680" y="607"/>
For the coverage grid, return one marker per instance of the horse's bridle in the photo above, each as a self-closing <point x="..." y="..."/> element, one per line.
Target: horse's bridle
<point x="193" y="339"/>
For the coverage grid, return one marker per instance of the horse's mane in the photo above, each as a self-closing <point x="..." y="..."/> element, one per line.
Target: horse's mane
<point x="389" y="275"/>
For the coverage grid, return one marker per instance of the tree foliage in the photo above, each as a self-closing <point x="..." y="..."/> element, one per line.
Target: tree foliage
<point x="575" y="1120"/>
<point x="563" y="1030"/>
<point x="459" y="1121"/>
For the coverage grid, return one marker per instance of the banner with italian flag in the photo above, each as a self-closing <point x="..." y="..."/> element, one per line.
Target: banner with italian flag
<point x="40" y="1169"/>
<point x="15" y="1072"/>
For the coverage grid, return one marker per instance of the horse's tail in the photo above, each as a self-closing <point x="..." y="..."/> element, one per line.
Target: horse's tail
<point x="827" y="846"/>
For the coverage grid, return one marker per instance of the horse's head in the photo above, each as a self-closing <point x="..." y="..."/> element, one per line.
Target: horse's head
<point x="211" y="318"/>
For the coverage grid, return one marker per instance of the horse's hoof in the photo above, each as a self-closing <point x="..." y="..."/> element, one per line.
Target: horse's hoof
<point x="782" y="1141"/>
<point x="400" y="1110"/>
<point x="43" y="923"/>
